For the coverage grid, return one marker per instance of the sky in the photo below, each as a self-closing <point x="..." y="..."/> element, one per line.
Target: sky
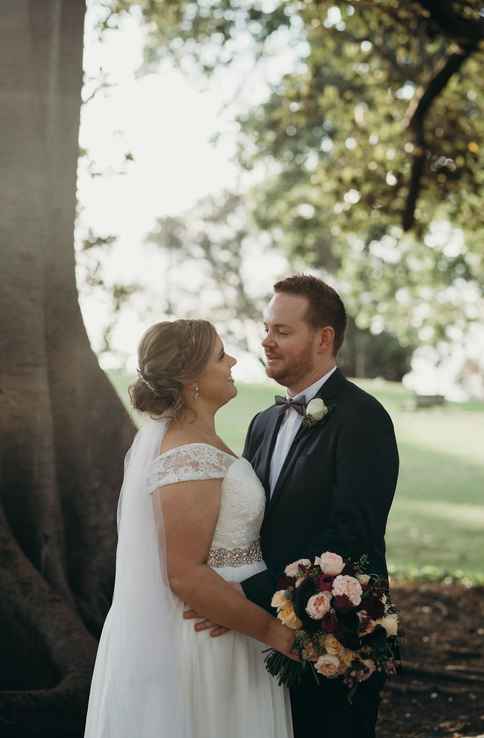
<point x="166" y="120"/>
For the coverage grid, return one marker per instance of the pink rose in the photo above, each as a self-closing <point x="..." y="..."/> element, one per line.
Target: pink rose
<point x="292" y="570"/>
<point x="331" y="564"/>
<point x="345" y="586"/>
<point x="318" y="605"/>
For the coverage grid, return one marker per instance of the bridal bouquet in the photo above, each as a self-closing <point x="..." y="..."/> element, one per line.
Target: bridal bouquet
<point x="346" y="626"/>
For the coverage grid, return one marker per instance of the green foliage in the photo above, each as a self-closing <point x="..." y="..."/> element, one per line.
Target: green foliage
<point x="216" y="238"/>
<point x="219" y="239"/>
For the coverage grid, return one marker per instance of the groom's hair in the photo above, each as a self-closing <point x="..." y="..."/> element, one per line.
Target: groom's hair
<point x="325" y="305"/>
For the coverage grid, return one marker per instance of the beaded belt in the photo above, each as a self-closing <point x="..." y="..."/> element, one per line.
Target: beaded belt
<point x="218" y="557"/>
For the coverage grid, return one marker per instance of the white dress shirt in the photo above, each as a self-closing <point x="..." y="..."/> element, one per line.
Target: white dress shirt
<point x="289" y="427"/>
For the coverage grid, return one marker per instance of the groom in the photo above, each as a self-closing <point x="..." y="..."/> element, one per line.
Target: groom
<point x="329" y="487"/>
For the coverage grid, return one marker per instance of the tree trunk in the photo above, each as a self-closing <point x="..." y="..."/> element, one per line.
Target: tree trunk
<point x="63" y="430"/>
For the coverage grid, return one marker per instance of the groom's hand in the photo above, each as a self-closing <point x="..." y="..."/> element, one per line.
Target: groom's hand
<point x="204" y="624"/>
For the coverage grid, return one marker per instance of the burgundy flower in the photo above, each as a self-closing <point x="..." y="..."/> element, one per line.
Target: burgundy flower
<point x="374" y="607"/>
<point x="325" y="583"/>
<point x="284" y="582"/>
<point x="329" y="623"/>
<point x="342" y="602"/>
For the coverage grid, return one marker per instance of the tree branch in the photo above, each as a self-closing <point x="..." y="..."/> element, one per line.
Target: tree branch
<point x="466" y="32"/>
<point x="417" y="123"/>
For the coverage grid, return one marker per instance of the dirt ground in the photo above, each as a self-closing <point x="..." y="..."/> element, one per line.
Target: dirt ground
<point x="441" y="689"/>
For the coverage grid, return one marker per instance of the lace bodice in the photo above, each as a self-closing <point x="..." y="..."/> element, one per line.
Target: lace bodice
<point x="242" y="502"/>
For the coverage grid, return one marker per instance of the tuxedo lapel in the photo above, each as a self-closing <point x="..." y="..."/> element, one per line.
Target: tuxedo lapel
<point x="328" y="392"/>
<point x="270" y="435"/>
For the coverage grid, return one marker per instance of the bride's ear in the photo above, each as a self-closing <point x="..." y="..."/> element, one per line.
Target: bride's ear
<point x="192" y="390"/>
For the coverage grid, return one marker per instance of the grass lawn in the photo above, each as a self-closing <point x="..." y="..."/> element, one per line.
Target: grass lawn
<point x="436" y="526"/>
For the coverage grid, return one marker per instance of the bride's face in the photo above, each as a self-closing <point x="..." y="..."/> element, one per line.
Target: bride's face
<point x="215" y="383"/>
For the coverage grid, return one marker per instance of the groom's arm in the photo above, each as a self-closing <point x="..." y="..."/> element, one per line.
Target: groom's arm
<point x="250" y="440"/>
<point x="366" y="477"/>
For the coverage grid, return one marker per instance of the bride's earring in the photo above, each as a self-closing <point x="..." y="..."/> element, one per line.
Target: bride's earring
<point x="196" y="391"/>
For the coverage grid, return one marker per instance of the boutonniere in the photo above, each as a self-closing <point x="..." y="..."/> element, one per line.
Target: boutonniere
<point x="315" y="411"/>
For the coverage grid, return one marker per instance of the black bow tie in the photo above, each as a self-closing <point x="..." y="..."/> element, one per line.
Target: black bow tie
<point x="298" y="405"/>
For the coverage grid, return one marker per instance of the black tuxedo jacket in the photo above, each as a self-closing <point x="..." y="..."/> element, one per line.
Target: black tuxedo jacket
<point x="335" y="487"/>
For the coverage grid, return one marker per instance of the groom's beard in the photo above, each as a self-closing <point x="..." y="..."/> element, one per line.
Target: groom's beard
<point x="290" y="373"/>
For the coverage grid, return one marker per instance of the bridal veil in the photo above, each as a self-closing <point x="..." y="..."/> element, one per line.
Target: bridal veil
<point x="137" y="682"/>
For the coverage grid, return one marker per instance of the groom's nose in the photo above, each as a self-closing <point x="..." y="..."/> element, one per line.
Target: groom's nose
<point x="268" y="340"/>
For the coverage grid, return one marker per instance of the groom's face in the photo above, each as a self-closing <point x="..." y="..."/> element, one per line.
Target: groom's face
<point x="290" y="343"/>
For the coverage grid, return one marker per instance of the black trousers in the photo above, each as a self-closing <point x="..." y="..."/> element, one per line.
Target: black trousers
<point x="323" y="711"/>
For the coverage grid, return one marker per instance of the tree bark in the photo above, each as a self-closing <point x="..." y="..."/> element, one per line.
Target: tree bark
<point x="63" y="430"/>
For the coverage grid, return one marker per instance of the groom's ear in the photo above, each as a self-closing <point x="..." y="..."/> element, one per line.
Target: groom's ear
<point x="325" y="339"/>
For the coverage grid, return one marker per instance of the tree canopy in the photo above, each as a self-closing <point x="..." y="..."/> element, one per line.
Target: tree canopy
<point x="370" y="145"/>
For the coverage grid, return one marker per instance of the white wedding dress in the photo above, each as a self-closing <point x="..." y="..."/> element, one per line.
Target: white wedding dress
<point x="155" y="676"/>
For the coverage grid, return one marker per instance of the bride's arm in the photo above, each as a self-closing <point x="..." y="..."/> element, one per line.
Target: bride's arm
<point x="188" y="513"/>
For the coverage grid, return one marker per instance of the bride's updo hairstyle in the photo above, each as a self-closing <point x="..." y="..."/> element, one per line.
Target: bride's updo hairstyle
<point x="170" y="355"/>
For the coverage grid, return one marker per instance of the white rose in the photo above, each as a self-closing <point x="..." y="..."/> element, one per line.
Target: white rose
<point x="316" y="409"/>
<point x="328" y="666"/>
<point x="331" y="564"/>
<point x="349" y="587"/>
<point x="390" y="623"/>
<point x="318" y="605"/>
<point x="279" y="599"/>
<point x="292" y="570"/>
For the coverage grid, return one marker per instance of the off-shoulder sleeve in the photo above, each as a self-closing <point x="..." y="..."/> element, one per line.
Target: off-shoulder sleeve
<point x="193" y="462"/>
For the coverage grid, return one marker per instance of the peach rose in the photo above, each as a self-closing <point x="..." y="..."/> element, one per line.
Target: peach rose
<point x="318" y="605"/>
<point x="288" y="617"/>
<point x="345" y="586"/>
<point x="310" y="652"/>
<point x="363" y="579"/>
<point x="328" y="666"/>
<point x="279" y="599"/>
<point x="347" y="658"/>
<point x="331" y="564"/>
<point x="333" y="646"/>
<point x="292" y="570"/>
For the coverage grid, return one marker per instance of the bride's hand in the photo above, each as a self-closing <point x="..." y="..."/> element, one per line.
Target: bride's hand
<point x="282" y="639"/>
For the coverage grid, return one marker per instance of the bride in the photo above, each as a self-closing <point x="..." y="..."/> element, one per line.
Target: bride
<point x="189" y="515"/>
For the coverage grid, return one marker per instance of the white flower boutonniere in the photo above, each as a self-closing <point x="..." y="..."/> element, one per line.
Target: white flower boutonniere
<point x="316" y="409"/>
